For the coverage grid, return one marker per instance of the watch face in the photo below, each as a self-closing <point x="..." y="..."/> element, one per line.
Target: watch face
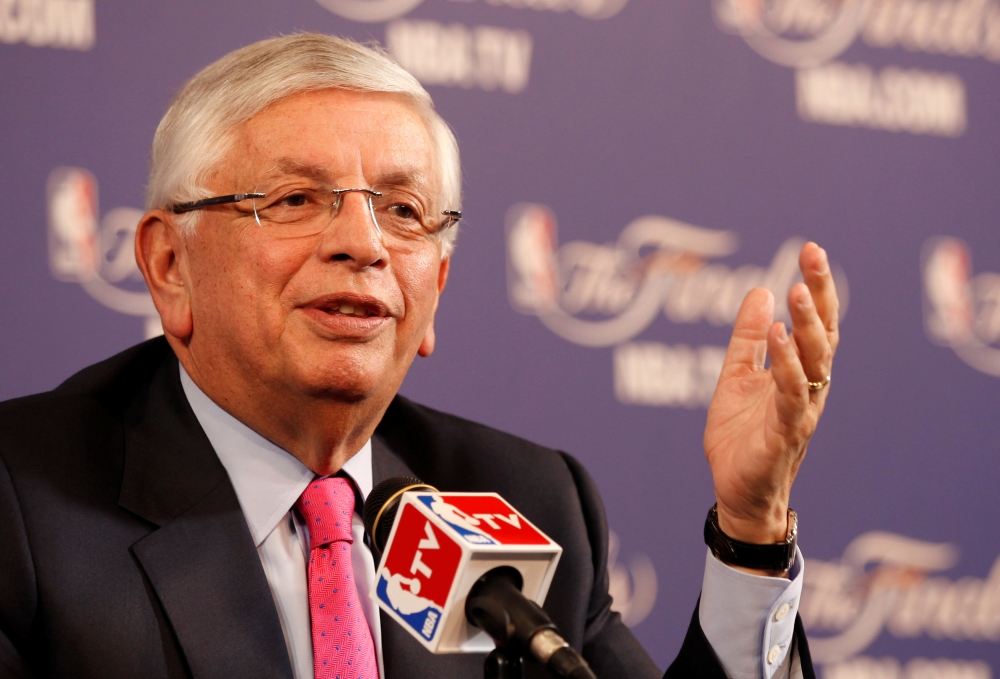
<point x="793" y="527"/>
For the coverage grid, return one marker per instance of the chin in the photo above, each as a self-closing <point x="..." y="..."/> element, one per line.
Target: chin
<point x="345" y="379"/>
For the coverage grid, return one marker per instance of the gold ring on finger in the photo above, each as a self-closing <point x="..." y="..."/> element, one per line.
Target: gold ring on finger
<point x="816" y="386"/>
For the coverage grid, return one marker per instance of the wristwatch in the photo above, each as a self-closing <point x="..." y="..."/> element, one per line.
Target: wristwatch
<point x="774" y="557"/>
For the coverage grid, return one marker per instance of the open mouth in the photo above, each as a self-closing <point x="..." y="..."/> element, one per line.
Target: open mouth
<point x="355" y="307"/>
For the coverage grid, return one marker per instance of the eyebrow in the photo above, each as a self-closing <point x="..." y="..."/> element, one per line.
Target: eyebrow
<point x="411" y="179"/>
<point x="290" y="166"/>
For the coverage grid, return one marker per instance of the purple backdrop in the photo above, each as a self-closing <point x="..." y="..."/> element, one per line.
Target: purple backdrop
<point x="632" y="167"/>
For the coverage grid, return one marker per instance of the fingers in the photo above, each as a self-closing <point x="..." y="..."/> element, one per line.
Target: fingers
<point x="790" y="379"/>
<point x="748" y="346"/>
<point x="810" y="335"/>
<point x="816" y="273"/>
<point x="814" y="308"/>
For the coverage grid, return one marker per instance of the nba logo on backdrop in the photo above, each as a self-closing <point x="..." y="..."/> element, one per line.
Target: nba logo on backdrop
<point x="533" y="268"/>
<point x="961" y="311"/>
<point x="72" y="224"/>
<point x="96" y="253"/>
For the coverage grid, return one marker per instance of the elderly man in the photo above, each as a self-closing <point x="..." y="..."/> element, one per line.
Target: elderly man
<point x="155" y="509"/>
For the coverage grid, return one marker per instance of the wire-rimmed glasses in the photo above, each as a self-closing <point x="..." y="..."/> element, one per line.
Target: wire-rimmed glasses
<point x="398" y="212"/>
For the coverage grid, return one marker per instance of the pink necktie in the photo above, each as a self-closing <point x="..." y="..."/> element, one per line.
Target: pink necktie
<point x="342" y="643"/>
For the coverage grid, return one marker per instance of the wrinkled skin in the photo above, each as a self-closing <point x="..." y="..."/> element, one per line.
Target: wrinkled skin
<point x="760" y="420"/>
<point x="255" y="319"/>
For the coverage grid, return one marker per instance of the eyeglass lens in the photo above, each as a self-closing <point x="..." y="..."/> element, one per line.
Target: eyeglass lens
<point x="399" y="213"/>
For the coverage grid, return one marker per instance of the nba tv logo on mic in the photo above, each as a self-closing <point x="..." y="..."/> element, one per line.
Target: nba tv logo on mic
<point x="440" y="545"/>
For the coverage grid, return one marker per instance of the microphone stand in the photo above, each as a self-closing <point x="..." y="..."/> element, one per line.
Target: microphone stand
<point x="500" y="665"/>
<point x="519" y="626"/>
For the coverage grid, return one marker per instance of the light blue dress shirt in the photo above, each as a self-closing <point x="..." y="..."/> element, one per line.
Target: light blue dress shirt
<point x="748" y="619"/>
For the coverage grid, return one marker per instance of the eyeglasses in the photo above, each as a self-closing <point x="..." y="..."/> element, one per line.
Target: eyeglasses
<point x="291" y="212"/>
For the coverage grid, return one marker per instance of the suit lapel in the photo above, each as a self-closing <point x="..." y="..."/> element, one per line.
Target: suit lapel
<point x="208" y="577"/>
<point x="200" y="560"/>
<point x="386" y="463"/>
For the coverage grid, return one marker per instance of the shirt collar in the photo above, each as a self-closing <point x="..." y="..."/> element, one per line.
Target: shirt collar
<point x="267" y="479"/>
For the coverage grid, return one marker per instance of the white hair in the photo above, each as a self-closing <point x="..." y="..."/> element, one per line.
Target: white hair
<point x="198" y="129"/>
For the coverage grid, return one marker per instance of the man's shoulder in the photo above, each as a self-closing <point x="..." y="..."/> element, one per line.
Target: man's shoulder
<point x="454" y="453"/>
<point x="431" y="431"/>
<point x="78" y="406"/>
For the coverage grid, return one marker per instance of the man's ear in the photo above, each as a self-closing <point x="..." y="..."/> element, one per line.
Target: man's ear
<point x="427" y="344"/>
<point x="159" y="252"/>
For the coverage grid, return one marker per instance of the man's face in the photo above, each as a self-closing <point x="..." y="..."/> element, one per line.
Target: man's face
<point x="339" y="314"/>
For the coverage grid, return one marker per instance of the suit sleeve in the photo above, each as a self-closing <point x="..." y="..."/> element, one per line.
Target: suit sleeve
<point x="17" y="583"/>
<point x="609" y="646"/>
<point x="697" y="658"/>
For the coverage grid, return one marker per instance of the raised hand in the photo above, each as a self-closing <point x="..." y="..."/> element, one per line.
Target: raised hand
<point x="760" y="420"/>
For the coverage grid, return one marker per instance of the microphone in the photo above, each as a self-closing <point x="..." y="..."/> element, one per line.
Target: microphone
<point x="465" y="572"/>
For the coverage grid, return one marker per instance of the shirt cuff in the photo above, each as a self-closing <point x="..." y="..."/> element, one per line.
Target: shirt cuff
<point x="749" y="619"/>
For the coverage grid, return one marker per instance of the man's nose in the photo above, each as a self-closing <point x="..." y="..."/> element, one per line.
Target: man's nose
<point x="353" y="236"/>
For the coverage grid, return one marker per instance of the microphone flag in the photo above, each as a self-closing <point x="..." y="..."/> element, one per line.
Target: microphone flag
<point x="439" y="546"/>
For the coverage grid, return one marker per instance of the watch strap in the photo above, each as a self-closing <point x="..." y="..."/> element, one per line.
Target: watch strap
<point x="778" y="556"/>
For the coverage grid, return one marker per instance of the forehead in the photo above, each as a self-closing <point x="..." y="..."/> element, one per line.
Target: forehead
<point x="339" y="134"/>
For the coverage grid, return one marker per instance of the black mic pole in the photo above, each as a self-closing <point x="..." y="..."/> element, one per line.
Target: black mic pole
<point x="486" y="608"/>
<point x="500" y="665"/>
<point x="519" y="626"/>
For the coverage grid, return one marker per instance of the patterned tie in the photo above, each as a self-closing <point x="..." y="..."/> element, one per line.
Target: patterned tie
<point x="342" y="643"/>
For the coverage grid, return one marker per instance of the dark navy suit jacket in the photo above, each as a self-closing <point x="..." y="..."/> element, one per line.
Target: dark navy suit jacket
<point x="124" y="551"/>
